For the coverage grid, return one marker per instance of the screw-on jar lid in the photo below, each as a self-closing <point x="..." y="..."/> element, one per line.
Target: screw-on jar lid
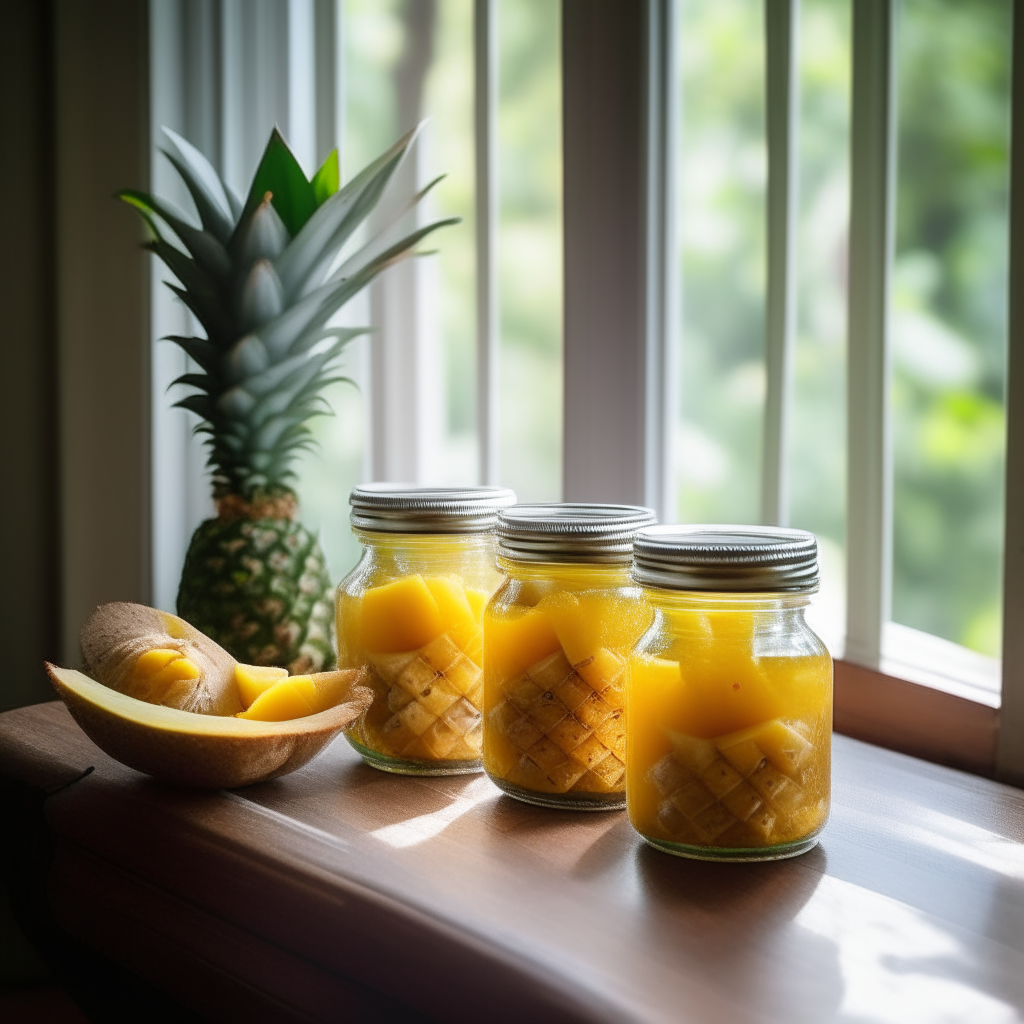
<point x="726" y="558"/>
<point x="407" y="508"/>
<point x="571" y="533"/>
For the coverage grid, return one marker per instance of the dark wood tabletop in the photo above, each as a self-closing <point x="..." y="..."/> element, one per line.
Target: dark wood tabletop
<point x="342" y="893"/>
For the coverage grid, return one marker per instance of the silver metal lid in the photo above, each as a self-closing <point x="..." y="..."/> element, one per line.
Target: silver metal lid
<point x="726" y="558"/>
<point x="571" y="533"/>
<point x="408" y="508"/>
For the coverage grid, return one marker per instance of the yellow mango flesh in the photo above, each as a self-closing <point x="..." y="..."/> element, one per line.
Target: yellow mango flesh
<point x="460" y="623"/>
<point x="516" y="640"/>
<point x="398" y="617"/>
<point x="253" y="680"/>
<point x="477" y="600"/>
<point x="152" y="661"/>
<point x="158" y="674"/>
<point x="587" y="622"/>
<point x="294" y="697"/>
<point x="297" y="696"/>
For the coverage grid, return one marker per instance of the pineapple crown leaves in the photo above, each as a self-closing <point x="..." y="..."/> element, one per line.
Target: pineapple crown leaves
<point x="263" y="277"/>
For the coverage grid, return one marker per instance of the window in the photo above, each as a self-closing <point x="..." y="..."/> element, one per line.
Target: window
<point x="356" y="74"/>
<point x="785" y="279"/>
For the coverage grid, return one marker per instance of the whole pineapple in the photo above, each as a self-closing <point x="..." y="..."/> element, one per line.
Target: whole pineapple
<point x="263" y="278"/>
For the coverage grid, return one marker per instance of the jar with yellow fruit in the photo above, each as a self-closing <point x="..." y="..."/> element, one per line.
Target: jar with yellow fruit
<point x="410" y="614"/>
<point x="556" y="637"/>
<point x="729" y="695"/>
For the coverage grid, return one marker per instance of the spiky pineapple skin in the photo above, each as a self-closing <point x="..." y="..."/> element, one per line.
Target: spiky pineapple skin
<point x="261" y="589"/>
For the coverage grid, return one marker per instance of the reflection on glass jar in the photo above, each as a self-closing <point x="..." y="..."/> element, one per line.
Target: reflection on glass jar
<point x="410" y="614"/>
<point x="557" y="635"/>
<point x="729" y="695"/>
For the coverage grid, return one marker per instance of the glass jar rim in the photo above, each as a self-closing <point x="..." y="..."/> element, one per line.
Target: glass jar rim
<point x="570" y="532"/>
<point x="727" y="558"/>
<point x="413" y="508"/>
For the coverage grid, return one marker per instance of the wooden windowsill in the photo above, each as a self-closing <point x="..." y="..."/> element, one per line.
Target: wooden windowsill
<point x="340" y="892"/>
<point x="915" y="718"/>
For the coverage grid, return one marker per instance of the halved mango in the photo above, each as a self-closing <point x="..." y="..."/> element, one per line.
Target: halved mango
<point x="517" y="640"/>
<point x="252" y="680"/>
<point x="399" y="616"/>
<point x="203" y="751"/>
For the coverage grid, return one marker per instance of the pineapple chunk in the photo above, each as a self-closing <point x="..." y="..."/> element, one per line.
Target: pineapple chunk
<point x="252" y="680"/>
<point x="602" y="669"/>
<point x="294" y="697"/>
<point x="399" y="616"/>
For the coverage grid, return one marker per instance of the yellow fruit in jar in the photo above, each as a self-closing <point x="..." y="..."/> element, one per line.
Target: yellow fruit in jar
<point x="477" y="600"/>
<point x="461" y="625"/>
<point x="517" y="640"/>
<point x="586" y="622"/>
<point x="399" y="616"/>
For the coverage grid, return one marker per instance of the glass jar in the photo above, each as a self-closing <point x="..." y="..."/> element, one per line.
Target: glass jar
<point x="729" y="695"/>
<point x="556" y="636"/>
<point x="410" y="614"/>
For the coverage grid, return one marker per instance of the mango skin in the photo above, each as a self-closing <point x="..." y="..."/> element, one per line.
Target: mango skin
<point x="195" y="750"/>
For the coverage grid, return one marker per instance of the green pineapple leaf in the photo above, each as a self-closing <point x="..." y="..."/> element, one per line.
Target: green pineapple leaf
<point x="203" y="246"/>
<point x="205" y="186"/>
<point x="195" y="380"/>
<point x="326" y="180"/>
<point x="202" y="351"/>
<point x="312" y="251"/>
<point x="280" y="174"/>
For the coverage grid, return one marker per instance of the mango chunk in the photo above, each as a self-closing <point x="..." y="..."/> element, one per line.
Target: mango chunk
<point x="517" y="641"/>
<point x="294" y="697"/>
<point x="158" y="675"/>
<point x="400" y="616"/>
<point x="152" y="661"/>
<point x="588" y="621"/>
<point x="477" y="602"/>
<point x="252" y="680"/>
<point x="461" y="625"/>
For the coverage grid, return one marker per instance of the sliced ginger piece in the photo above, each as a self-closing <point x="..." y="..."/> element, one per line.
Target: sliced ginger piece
<point x="253" y="680"/>
<point x="134" y="650"/>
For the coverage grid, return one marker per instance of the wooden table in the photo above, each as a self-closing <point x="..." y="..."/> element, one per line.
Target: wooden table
<point x="341" y="893"/>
